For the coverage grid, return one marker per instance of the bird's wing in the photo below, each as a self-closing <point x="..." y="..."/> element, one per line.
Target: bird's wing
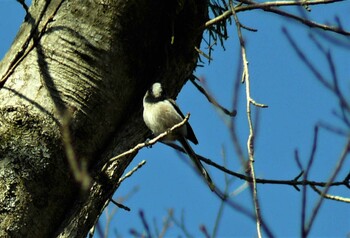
<point x="190" y="134"/>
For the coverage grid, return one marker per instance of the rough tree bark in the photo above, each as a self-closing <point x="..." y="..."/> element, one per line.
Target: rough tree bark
<point x="91" y="60"/>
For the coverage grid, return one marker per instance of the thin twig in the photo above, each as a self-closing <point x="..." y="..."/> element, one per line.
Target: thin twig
<point x="306" y="174"/>
<point x="131" y="172"/>
<point x="79" y="170"/>
<point x="237" y="207"/>
<point x="331" y="197"/>
<point x="166" y="225"/>
<point x="291" y="182"/>
<point x="204" y="230"/>
<point x="271" y="6"/>
<point x="202" y="53"/>
<point x="334" y="129"/>
<point x="235" y="104"/>
<point x="37" y="31"/>
<point x="328" y="85"/>
<point x="109" y="216"/>
<point x="309" y="23"/>
<point x="220" y="211"/>
<point x="250" y="142"/>
<point x="145" y="223"/>
<point x="212" y="99"/>
<point x="24" y="5"/>
<point x="297" y="160"/>
<point x="180" y="224"/>
<point x="147" y="143"/>
<point x="335" y="82"/>
<point x="120" y="205"/>
<point x="316" y="208"/>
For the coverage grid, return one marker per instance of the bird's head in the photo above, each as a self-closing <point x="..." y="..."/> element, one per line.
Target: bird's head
<point x="155" y="93"/>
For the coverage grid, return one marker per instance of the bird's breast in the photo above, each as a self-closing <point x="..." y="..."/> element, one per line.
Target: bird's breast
<point x="161" y="116"/>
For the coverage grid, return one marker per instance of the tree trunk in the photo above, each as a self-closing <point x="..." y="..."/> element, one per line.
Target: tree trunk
<point x="75" y="76"/>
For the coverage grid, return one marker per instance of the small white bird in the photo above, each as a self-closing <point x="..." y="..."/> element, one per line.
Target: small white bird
<point x="160" y="114"/>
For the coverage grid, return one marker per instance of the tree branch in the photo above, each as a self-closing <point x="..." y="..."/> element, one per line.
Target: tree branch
<point x="145" y="144"/>
<point x="295" y="182"/>
<point x="331" y="197"/>
<point x="250" y="142"/>
<point x="271" y="7"/>
<point x="211" y="99"/>
<point x="317" y="206"/>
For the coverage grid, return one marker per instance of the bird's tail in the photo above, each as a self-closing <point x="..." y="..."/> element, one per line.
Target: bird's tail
<point x="197" y="162"/>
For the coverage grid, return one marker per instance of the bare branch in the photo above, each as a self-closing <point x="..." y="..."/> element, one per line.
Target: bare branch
<point x="333" y="87"/>
<point x="333" y="129"/>
<point x="145" y="223"/>
<point x="180" y="224"/>
<point x="37" y="31"/>
<point x="79" y="170"/>
<point x="295" y="182"/>
<point x="306" y="174"/>
<point x="250" y="142"/>
<point x="331" y="197"/>
<point x="271" y="7"/>
<point x="24" y="5"/>
<point x="131" y="172"/>
<point x="120" y="205"/>
<point x="309" y="23"/>
<point x="212" y="99"/>
<point x="147" y="143"/>
<point x="166" y="224"/>
<point x="234" y="205"/>
<point x="292" y="182"/>
<point x="316" y="208"/>
<point x="202" y="53"/>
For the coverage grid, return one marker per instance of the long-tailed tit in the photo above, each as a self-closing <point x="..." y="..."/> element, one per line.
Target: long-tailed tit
<point x="160" y="114"/>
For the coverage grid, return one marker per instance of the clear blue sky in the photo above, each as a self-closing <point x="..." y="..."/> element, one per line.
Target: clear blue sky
<point x="296" y="102"/>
